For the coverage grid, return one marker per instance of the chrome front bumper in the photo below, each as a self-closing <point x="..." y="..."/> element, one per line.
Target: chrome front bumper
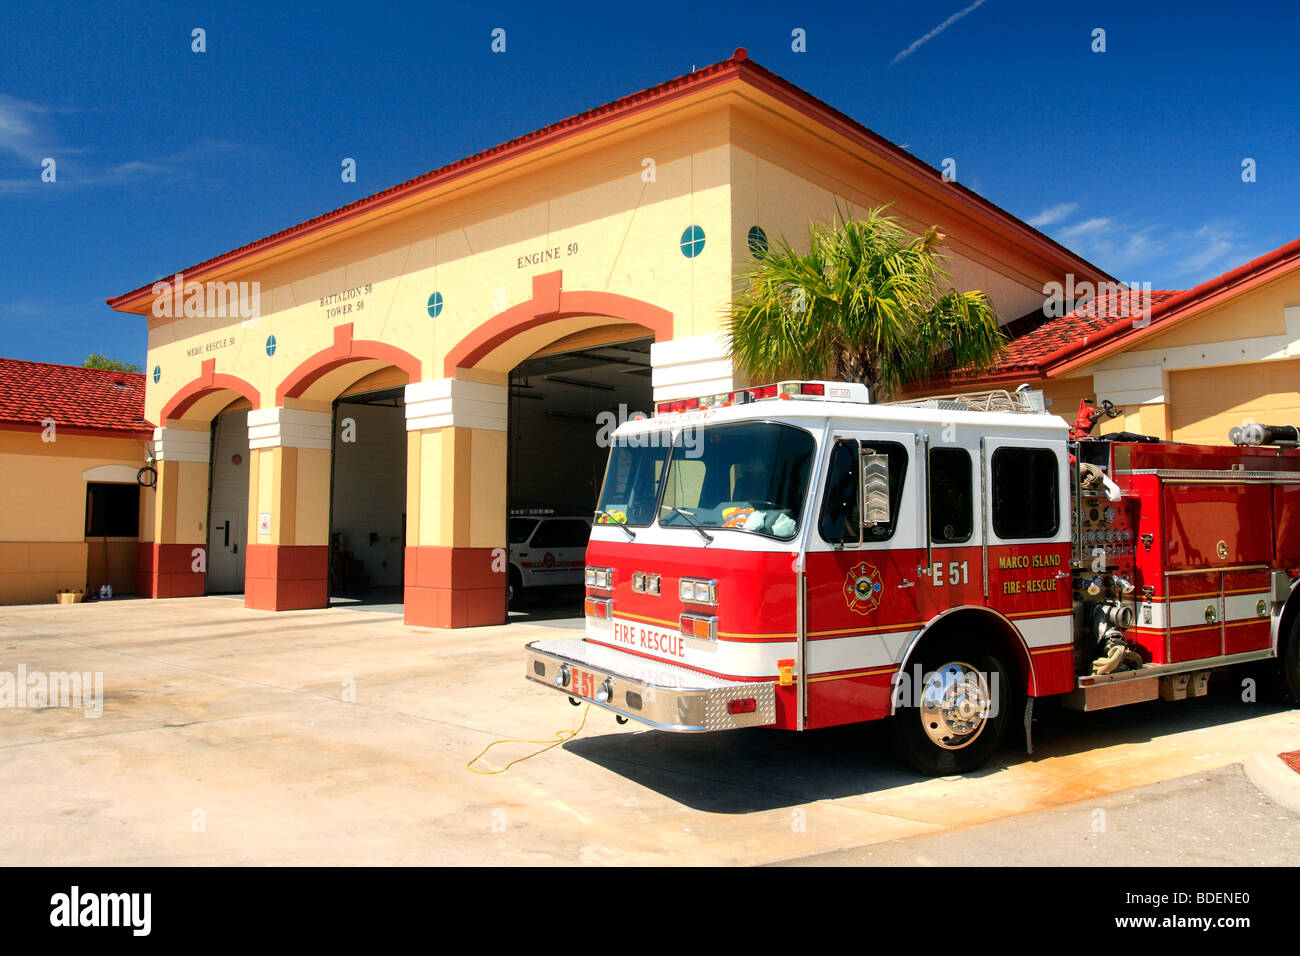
<point x="662" y="695"/>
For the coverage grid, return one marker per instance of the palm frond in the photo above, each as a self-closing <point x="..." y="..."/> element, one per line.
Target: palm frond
<point x="865" y="296"/>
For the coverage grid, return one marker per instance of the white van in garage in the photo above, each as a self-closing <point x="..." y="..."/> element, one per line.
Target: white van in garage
<point x="546" y="550"/>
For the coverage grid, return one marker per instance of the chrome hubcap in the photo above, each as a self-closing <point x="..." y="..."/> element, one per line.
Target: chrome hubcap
<point x="955" y="705"/>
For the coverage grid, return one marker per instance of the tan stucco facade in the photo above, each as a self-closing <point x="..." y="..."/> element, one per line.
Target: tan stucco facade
<point x="43" y="543"/>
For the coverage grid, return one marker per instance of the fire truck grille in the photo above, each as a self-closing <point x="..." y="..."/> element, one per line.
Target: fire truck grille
<point x="657" y="693"/>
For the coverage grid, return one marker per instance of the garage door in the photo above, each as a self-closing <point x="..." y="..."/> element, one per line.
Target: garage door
<point x="1207" y="402"/>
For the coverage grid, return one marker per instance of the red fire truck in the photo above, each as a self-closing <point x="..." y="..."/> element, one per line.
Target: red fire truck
<point x="795" y="556"/>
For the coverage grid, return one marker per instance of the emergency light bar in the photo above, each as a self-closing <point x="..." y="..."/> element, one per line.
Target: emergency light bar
<point x="817" y="391"/>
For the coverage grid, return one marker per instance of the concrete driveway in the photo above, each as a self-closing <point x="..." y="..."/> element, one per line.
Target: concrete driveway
<point x="232" y="736"/>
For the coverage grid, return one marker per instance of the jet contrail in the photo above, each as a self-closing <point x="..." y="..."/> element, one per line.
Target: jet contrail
<point x="936" y="31"/>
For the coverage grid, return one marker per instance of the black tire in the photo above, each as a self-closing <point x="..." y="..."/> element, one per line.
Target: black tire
<point x="1287" y="666"/>
<point x="945" y="748"/>
<point x="514" y="588"/>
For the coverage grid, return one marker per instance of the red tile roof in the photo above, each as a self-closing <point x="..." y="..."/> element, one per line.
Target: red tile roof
<point x="1043" y="347"/>
<point x="1028" y="348"/>
<point x="80" y="398"/>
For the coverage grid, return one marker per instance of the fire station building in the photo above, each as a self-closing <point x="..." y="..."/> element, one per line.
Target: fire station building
<point x="359" y="401"/>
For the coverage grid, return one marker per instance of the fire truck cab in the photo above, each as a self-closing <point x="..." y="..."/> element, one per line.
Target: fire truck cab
<point x="795" y="556"/>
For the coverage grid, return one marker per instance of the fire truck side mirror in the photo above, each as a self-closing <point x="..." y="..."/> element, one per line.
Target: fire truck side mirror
<point x="875" y="489"/>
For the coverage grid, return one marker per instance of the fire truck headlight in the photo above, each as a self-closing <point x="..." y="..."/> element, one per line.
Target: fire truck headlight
<point x="600" y="578"/>
<point x="695" y="591"/>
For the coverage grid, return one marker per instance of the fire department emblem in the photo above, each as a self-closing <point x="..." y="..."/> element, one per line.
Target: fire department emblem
<point x="862" y="588"/>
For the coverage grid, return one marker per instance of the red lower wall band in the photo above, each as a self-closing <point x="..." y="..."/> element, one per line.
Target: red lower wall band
<point x="455" y="587"/>
<point x="286" y="577"/>
<point x="168" y="570"/>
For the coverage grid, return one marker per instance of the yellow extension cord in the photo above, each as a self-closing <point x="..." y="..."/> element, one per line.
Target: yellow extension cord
<point x="560" y="737"/>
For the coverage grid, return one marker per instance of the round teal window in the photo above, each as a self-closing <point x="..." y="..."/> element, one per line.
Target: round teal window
<point x="435" y="305"/>
<point x="757" y="241"/>
<point x="157" y="373"/>
<point x="270" y="345"/>
<point x="692" y="242"/>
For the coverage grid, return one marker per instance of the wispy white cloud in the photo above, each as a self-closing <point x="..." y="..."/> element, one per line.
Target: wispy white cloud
<point x="28" y="137"/>
<point x="24" y="129"/>
<point x="1166" y="255"/>
<point x="1209" y="244"/>
<point x="917" y="44"/>
<point x="1052" y="214"/>
<point x="1082" y="230"/>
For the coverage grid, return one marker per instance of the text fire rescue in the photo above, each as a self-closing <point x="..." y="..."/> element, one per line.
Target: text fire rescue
<point x="1036" y="586"/>
<point x="649" y="639"/>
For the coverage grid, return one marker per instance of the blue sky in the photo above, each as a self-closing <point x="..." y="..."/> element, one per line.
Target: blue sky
<point x="165" y="157"/>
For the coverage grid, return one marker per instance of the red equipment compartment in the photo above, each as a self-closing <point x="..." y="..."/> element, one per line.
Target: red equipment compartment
<point x="1195" y="616"/>
<point x="1215" y="525"/>
<point x="1286" y="514"/>
<point x="1244" y="627"/>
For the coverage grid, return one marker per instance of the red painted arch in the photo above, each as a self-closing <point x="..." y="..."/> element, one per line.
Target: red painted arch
<point x="344" y="350"/>
<point x="209" y="381"/>
<point x="550" y="303"/>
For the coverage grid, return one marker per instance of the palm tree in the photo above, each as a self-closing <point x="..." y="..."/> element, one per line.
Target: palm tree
<point x="862" y="305"/>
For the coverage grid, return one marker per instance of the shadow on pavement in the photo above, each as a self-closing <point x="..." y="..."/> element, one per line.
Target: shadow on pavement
<point x="747" y="771"/>
<point x="553" y="605"/>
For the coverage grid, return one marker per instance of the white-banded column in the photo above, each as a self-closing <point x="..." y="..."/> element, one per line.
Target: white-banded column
<point x="181" y="444"/>
<point x="447" y="402"/>
<point x="289" y="428"/>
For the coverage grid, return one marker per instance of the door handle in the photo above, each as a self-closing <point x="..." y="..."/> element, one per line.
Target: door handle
<point x="906" y="583"/>
<point x="227" y="544"/>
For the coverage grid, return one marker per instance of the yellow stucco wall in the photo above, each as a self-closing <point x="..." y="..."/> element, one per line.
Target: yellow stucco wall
<point x="779" y="185"/>
<point x="43" y="546"/>
<point x="624" y="233"/>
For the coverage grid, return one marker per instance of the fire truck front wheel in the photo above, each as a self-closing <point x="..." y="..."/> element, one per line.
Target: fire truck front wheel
<point x="957" y="718"/>
<point x="1288" y="664"/>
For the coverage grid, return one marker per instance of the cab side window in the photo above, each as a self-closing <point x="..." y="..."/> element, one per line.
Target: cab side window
<point x="951" y="499"/>
<point x="1026" y="497"/>
<point x="841" y="504"/>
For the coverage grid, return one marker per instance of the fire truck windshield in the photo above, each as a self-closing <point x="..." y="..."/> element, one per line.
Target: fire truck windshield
<point x="751" y="476"/>
<point x="632" y="479"/>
